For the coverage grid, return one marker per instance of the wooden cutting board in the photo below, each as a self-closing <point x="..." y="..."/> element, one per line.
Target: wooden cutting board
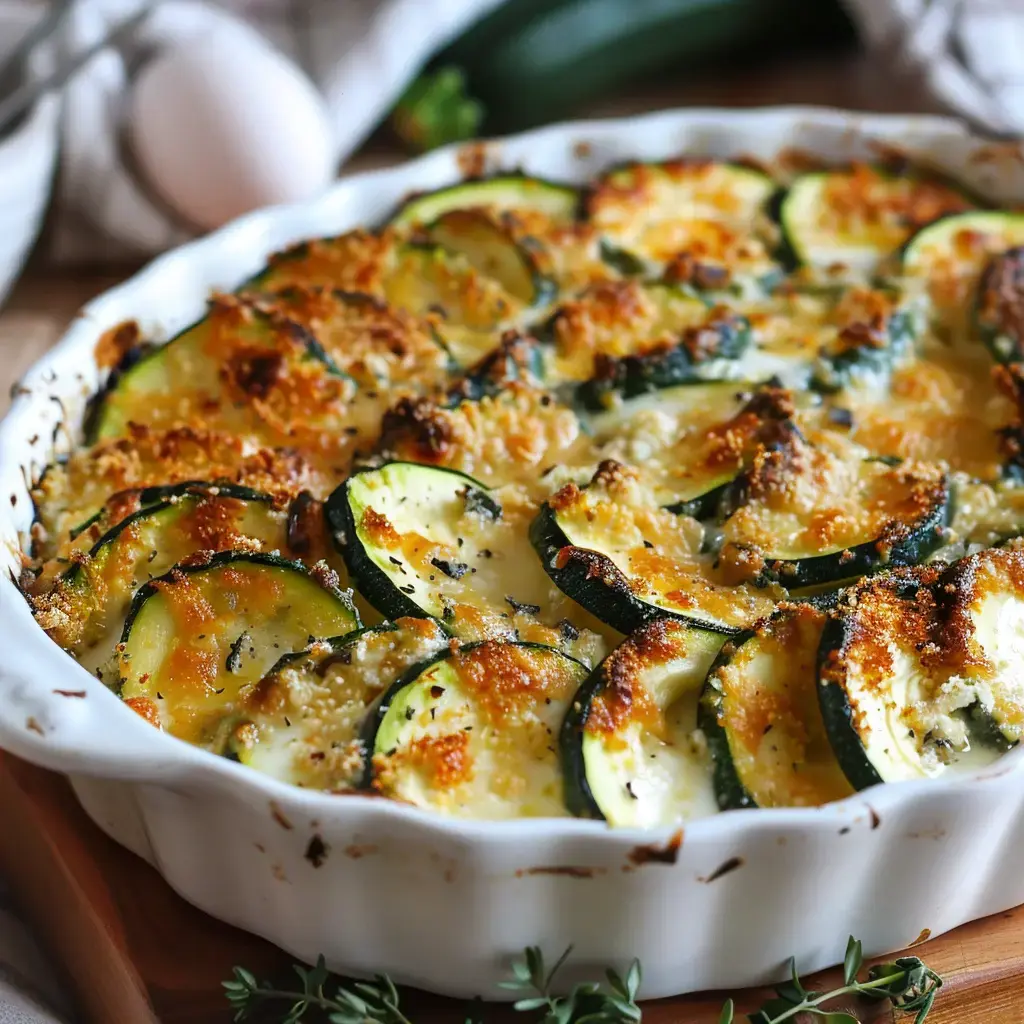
<point x="136" y="953"/>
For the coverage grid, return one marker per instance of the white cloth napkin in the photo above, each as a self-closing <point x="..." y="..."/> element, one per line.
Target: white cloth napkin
<point x="970" y="51"/>
<point x="361" y="53"/>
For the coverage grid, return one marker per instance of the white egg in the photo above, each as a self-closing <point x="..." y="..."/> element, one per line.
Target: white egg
<point x="225" y="125"/>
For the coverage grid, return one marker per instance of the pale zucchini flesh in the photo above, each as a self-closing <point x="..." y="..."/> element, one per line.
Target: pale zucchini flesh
<point x="449" y="736"/>
<point x="630" y="747"/>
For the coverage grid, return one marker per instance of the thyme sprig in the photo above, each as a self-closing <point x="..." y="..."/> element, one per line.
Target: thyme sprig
<point x="366" y="1002"/>
<point x="588" y="1003"/>
<point x="906" y="982"/>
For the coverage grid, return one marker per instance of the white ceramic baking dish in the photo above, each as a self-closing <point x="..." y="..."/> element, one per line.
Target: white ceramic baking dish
<point x="445" y="904"/>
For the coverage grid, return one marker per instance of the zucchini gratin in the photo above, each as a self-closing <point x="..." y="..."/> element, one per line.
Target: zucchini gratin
<point x="693" y="489"/>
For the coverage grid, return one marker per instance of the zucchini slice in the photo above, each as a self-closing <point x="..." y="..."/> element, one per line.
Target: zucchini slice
<point x="378" y="347"/>
<point x="420" y="540"/>
<point x="611" y="548"/>
<point x="891" y="706"/>
<point x="357" y="261"/>
<point x="473" y="733"/>
<point x="806" y="515"/>
<point x="630" y="753"/>
<point x="302" y="721"/>
<point x="690" y="442"/>
<point x="951" y="254"/>
<point x="759" y="711"/>
<point x="239" y="369"/>
<point x="714" y="213"/>
<point x="79" y="499"/>
<point x="852" y="220"/>
<point x="90" y="600"/>
<point x="198" y="638"/>
<point x="491" y="248"/>
<point x="509" y="193"/>
<point x="509" y="437"/>
<point x="630" y="337"/>
<point x="982" y="599"/>
<point x="471" y="309"/>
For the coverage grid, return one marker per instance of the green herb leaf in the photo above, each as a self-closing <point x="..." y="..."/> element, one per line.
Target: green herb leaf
<point x="436" y="110"/>
<point x="852" y="961"/>
<point x="728" y="1014"/>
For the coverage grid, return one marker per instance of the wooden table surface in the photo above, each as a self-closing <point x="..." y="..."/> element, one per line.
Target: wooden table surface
<point x="46" y="299"/>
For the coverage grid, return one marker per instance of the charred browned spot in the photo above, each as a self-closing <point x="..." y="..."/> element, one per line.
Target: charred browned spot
<point x="32" y="725"/>
<point x="564" y="498"/>
<point x="926" y="934"/>
<point x="724" y="868"/>
<point x="652" y="853"/>
<point x="305" y="525"/>
<point x="70" y="693"/>
<point x="416" y="427"/>
<point x="623" y="696"/>
<point x="686" y="269"/>
<point x="255" y="371"/>
<point x="566" y="870"/>
<point x="278" y="815"/>
<point x="316" y="851"/>
<point x="116" y="343"/>
<point x="874" y="818"/>
<point x="378" y="529"/>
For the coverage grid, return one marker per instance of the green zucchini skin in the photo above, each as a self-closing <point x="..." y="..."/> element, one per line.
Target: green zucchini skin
<point x="588" y="577"/>
<point x="579" y="797"/>
<point x="592" y="580"/>
<point x="664" y="367"/>
<point x="1008" y="227"/>
<point x="502" y="193"/>
<point x="730" y="792"/>
<point x="92" y="422"/>
<point x="837" y="713"/>
<point x="369" y="579"/>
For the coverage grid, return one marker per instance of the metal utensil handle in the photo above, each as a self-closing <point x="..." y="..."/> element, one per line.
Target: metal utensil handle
<point x="25" y="95"/>
<point x="11" y="68"/>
